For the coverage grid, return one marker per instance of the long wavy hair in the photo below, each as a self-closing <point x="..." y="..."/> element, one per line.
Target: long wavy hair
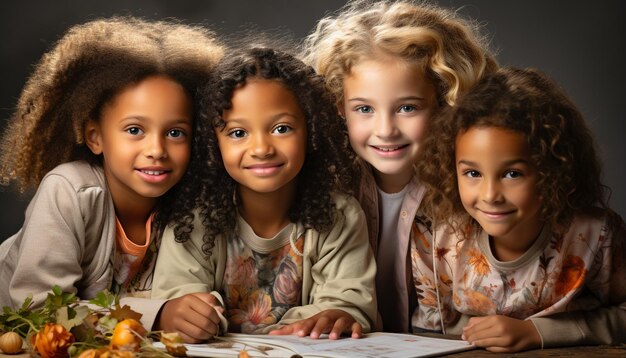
<point x="329" y="161"/>
<point x="562" y="147"/>
<point x="80" y="74"/>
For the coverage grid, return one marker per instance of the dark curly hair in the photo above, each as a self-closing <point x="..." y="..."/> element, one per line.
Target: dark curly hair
<point x="80" y="74"/>
<point x="561" y="144"/>
<point x="329" y="161"/>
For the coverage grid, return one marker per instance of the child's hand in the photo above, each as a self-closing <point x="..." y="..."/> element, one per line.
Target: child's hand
<point x="194" y="316"/>
<point x="501" y="334"/>
<point x="334" y="322"/>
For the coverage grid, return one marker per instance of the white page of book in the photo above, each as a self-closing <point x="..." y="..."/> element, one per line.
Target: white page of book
<point x="378" y="345"/>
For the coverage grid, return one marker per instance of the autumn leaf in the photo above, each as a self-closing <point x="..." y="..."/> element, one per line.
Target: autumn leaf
<point x="124" y="312"/>
<point x="174" y="344"/>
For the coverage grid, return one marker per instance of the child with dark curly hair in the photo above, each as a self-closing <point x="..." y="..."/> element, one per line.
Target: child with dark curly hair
<point x="103" y="130"/>
<point x="393" y="66"/>
<point x="526" y="245"/>
<point x="276" y="232"/>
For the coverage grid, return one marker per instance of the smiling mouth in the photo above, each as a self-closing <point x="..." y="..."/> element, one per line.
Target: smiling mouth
<point x="263" y="166"/>
<point x="389" y="148"/>
<point x="497" y="214"/>
<point x="153" y="172"/>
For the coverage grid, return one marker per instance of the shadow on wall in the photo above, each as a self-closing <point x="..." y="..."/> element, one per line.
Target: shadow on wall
<point x="12" y="206"/>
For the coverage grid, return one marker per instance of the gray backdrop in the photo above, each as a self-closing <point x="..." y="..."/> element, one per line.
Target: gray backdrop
<point x="579" y="43"/>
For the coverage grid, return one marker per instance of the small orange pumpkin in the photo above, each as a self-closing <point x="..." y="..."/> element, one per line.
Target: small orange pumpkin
<point x="128" y="335"/>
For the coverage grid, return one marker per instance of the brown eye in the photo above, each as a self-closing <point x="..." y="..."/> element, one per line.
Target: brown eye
<point x="134" y="131"/>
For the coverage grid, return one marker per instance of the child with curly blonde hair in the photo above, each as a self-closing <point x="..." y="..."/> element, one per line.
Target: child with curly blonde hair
<point x="526" y="245"/>
<point x="392" y="66"/>
<point x="103" y="129"/>
<point x="277" y="236"/>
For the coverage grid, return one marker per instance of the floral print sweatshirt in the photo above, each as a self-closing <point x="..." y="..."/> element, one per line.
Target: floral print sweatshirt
<point x="572" y="286"/>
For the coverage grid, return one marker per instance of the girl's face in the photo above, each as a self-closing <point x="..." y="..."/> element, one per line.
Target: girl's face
<point x="498" y="187"/>
<point x="387" y="105"/>
<point x="263" y="143"/>
<point x="144" y="135"/>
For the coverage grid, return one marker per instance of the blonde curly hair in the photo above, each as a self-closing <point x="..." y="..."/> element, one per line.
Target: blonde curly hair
<point x="451" y="49"/>
<point x="82" y="72"/>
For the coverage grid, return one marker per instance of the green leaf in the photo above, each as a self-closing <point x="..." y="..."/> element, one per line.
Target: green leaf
<point x="104" y="299"/>
<point x="56" y="289"/>
<point x="27" y="302"/>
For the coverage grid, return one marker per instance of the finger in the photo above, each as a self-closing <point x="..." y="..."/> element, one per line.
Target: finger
<point x="357" y="330"/>
<point x="305" y="326"/>
<point x="285" y="330"/>
<point x="204" y="311"/>
<point x="193" y="333"/>
<point x="476" y="329"/>
<point x="340" y="326"/>
<point x="490" y="341"/>
<point x="192" y="316"/>
<point x="322" y="325"/>
<point x="188" y="339"/>
<point x="208" y="298"/>
<point x="501" y="350"/>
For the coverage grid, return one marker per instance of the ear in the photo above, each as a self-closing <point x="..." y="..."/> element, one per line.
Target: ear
<point x="93" y="137"/>
<point x="341" y="109"/>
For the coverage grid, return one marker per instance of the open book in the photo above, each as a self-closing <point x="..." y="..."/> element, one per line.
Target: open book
<point x="377" y="345"/>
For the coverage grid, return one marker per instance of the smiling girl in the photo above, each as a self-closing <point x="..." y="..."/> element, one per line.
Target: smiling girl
<point x="535" y="258"/>
<point x="103" y="129"/>
<point x="392" y="66"/>
<point x="275" y="234"/>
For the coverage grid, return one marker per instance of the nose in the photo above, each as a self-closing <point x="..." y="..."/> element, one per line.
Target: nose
<point x="262" y="146"/>
<point x="491" y="191"/>
<point x="385" y="125"/>
<point x="155" y="148"/>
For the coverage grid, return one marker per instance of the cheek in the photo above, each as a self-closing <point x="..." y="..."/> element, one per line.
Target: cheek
<point x="529" y="198"/>
<point x="357" y="131"/>
<point x="298" y="151"/>
<point x="466" y="193"/>
<point x="417" y="130"/>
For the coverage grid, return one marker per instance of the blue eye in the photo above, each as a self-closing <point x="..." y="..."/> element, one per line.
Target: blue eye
<point x="281" y="129"/>
<point x="134" y="131"/>
<point x="237" y="133"/>
<point x="407" y="109"/>
<point x="364" y="109"/>
<point x="175" y="133"/>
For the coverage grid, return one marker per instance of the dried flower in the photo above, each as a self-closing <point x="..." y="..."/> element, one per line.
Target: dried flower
<point x="52" y="341"/>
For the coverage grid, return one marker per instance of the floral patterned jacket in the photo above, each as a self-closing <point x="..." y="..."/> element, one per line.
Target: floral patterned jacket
<point x="571" y="286"/>
<point x="338" y="268"/>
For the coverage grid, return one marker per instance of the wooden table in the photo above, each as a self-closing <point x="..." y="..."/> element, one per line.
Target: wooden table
<point x="582" y="351"/>
<point x="576" y="351"/>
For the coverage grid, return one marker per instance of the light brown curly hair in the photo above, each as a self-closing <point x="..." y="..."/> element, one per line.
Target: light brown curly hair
<point x="561" y="144"/>
<point x="84" y="70"/>
<point x="450" y="49"/>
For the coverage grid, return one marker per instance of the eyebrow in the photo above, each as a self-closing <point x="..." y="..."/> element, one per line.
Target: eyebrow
<point x="274" y="117"/>
<point x="170" y="121"/>
<point x="507" y="163"/>
<point x="408" y="98"/>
